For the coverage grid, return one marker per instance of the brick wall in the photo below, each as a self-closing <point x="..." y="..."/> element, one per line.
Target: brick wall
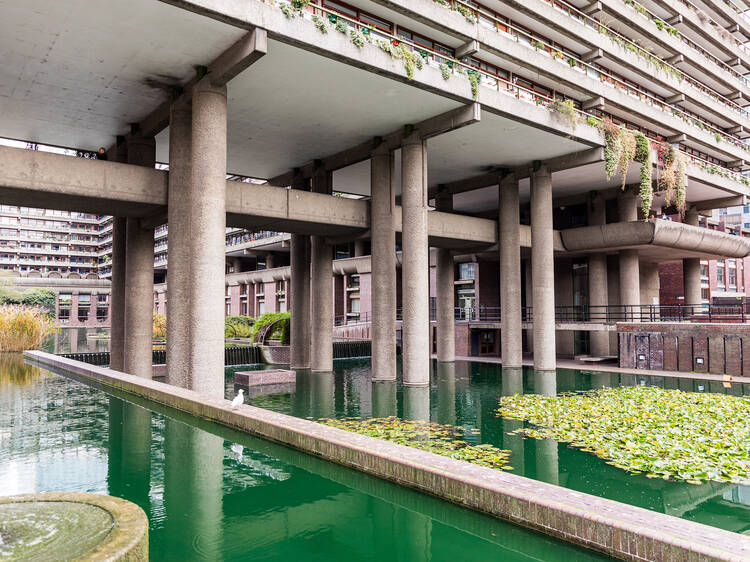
<point x="670" y="283"/>
<point x="712" y="348"/>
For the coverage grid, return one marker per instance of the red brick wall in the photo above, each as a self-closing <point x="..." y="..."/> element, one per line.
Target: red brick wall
<point x="671" y="289"/>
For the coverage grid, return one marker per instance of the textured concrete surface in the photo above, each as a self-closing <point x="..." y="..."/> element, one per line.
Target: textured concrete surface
<point x="542" y="270"/>
<point x="383" y="265"/>
<point x="445" y="297"/>
<point x="117" y="299"/>
<point x="128" y="539"/>
<point x="178" y="251"/>
<point x="139" y="298"/>
<point x="299" y="280"/>
<point x="510" y="272"/>
<point x="270" y="376"/>
<point x="415" y="275"/>
<point x="620" y="530"/>
<point x="207" y="202"/>
<point x="321" y="294"/>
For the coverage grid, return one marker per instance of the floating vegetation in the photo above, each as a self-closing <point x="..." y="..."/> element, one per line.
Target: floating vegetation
<point x="443" y="440"/>
<point x="666" y="434"/>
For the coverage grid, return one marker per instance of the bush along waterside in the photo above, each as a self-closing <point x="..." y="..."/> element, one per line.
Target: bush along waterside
<point x="669" y="434"/>
<point x="427" y="436"/>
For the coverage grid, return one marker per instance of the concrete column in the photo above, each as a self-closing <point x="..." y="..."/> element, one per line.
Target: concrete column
<point x="117" y="298"/>
<point x="359" y="248"/>
<point x="417" y="402"/>
<point x="139" y="299"/>
<point x="510" y="273"/>
<point x="139" y="274"/>
<point x="446" y="387"/>
<point x="383" y="243"/>
<point x="691" y="268"/>
<point x="178" y="250"/>
<point x="384" y="399"/>
<point x="415" y="262"/>
<point x="630" y="287"/>
<point x="444" y="284"/>
<point x="207" y="239"/>
<point x="299" y="261"/>
<point x="598" y="291"/>
<point x="321" y="292"/>
<point x="543" y="270"/>
<point x="270" y="262"/>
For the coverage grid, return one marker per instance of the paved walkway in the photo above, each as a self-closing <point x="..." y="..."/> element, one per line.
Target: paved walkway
<point x="608" y="368"/>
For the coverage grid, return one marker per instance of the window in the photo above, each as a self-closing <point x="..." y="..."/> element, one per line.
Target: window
<point x="704" y="293"/>
<point x="84" y="300"/>
<point x="720" y="275"/>
<point x="466" y="271"/>
<point x="83" y="314"/>
<point x="732" y="274"/>
<point x="101" y="314"/>
<point x="65" y="299"/>
<point x="704" y="270"/>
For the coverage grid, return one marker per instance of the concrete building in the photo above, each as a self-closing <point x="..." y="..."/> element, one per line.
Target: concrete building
<point x="487" y="134"/>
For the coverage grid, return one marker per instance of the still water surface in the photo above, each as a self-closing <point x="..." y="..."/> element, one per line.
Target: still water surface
<point x="466" y="395"/>
<point x="212" y="493"/>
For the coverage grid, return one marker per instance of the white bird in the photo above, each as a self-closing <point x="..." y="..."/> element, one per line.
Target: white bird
<point x="237" y="449"/>
<point x="238" y="400"/>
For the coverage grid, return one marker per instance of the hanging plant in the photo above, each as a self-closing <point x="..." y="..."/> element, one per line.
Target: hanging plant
<point x="628" y="143"/>
<point x="474" y="78"/>
<point x="320" y="24"/>
<point x="445" y="71"/>
<point x="673" y="179"/>
<point x="643" y="156"/>
<point x="566" y="108"/>
<point x="612" y="147"/>
<point x="357" y="38"/>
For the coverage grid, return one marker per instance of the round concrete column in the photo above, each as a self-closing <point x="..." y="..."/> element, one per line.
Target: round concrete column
<point x="598" y="288"/>
<point x="444" y="284"/>
<point x="630" y="284"/>
<point x="208" y="238"/>
<point x="299" y="261"/>
<point x="691" y="268"/>
<point x="178" y="250"/>
<point x="510" y="273"/>
<point x="415" y="262"/>
<point x="139" y="299"/>
<point x="383" y="250"/>
<point x="543" y="270"/>
<point x="117" y="298"/>
<point x="321" y="290"/>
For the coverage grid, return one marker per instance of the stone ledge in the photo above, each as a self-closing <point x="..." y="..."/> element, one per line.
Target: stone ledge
<point x="619" y="530"/>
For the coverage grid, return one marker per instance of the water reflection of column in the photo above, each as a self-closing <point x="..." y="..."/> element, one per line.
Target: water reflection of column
<point x="365" y="397"/>
<point x="513" y="384"/>
<point x="601" y="380"/>
<point x="193" y="480"/>
<point x="416" y="533"/>
<point x="383" y="399"/>
<point x="322" y="394"/>
<point x="546" y="460"/>
<point x="129" y="459"/>
<point x="57" y="342"/>
<point x="446" y="398"/>
<point x="417" y="402"/>
<point x="73" y="341"/>
<point x="545" y="383"/>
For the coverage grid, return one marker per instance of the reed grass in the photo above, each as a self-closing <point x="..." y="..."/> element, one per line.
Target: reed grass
<point x="23" y="327"/>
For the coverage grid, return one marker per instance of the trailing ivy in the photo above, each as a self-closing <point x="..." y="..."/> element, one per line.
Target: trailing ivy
<point x="566" y="108"/>
<point x="643" y="156"/>
<point x="474" y="79"/>
<point x="445" y="70"/>
<point x="320" y="24"/>
<point x="411" y="59"/>
<point x="669" y="434"/>
<point x="357" y="37"/>
<point x="673" y="175"/>
<point x="444" y="440"/>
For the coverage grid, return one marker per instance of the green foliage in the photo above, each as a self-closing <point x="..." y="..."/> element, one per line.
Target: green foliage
<point x="646" y="187"/>
<point x="666" y="434"/>
<point x="357" y="38"/>
<point x="40" y="298"/>
<point x="444" y="440"/>
<point x="287" y="10"/>
<point x="23" y="327"/>
<point x="474" y="79"/>
<point x="411" y="59"/>
<point x="445" y="71"/>
<point x="566" y="108"/>
<point x="159" y="326"/>
<point x="320" y="24"/>
<point x="673" y="178"/>
<point x="341" y="26"/>
<point x="238" y="326"/>
<point x="281" y="331"/>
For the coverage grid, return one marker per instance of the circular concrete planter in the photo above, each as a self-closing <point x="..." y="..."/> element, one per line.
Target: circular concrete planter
<point x="72" y="526"/>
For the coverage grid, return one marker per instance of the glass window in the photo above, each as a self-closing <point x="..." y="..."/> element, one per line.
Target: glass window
<point x="466" y="271"/>
<point x="720" y="275"/>
<point x="732" y="276"/>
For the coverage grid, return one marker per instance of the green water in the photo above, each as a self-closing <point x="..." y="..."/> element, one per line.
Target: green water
<point x="465" y="395"/>
<point x="212" y="493"/>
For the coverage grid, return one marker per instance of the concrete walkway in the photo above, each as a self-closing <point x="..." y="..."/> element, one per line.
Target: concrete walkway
<point x="605" y="368"/>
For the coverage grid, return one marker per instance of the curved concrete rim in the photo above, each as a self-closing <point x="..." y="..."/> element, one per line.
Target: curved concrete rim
<point x="128" y="538"/>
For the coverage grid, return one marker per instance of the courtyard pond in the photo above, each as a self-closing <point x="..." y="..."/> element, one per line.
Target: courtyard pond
<point x="213" y="493"/>
<point x="465" y="397"/>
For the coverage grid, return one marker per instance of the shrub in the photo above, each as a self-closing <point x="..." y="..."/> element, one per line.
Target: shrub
<point x="159" y="329"/>
<point x="238" y="326"/>
<point x="41" y="298"/>
<point x="281" y="331"/>
<point x="23" y="327"/>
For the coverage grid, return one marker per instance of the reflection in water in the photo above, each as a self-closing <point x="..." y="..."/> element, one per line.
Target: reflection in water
<point x="384" y="399"/>
<point x="545" y="383"/>
<point x="77" y="340"/>
<point x="416" y="402"/>
<point x="322" y="395"/>
<point x="212" y="493"/>
<point x="446" y="393"/>
<point x="512" y="378"/>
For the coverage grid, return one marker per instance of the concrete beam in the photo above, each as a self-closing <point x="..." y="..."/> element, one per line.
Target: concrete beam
<point x="677" y="139"/>
<point x="674" y="20"/>
<point x="594" y="103"/>
<point x="467" y="49"/>
<point x="593" y="56"/>
<point x="238" y="57"/>
<point x="432" y="127"/>
<point x="675" y="59"/>
<point x="710" y="204"/>
<point x="593" y="9"/>
<point x="677" y="98"/>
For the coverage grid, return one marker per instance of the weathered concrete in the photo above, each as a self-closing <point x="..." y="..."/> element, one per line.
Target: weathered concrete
<point x="445" y="292"/>
<point x="139" y="299"/>
<point x="383" y="250"/>
<point x="321" y="294"/>
<point x="691" y="267"/>
<point x="619" y="530"/>
<point x="543" y="270"/>
<point x="415" y="262"/>
<point x="178" y="251"/>
<point x="630" y="284"/>
<point x="598" y="291"/>
<point x="127" y="541"/>
<point x="511" y="341"/>
<point x="139" y="274"/>
<point x="208" y="238"/>
<point x="299" y="328"/>
<point x="117" y="299"/>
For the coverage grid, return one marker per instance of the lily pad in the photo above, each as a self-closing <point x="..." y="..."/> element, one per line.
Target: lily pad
<point x="669" y="434"/>
<point x="436" y="438"/>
